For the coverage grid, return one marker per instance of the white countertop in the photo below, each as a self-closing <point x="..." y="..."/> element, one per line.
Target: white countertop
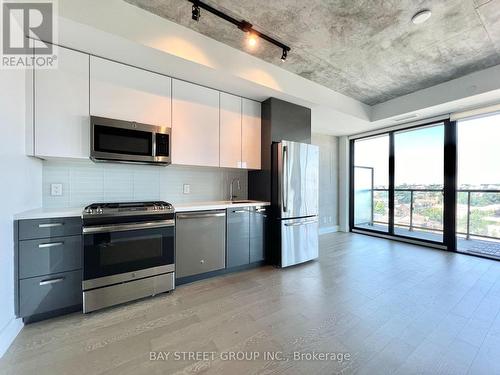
<point x="46" y="213"/>
<point x="215" y="205"/>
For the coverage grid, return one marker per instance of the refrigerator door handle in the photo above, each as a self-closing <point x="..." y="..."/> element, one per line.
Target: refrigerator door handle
<point x="301" y="223"/>
<point x="285" y="179"/>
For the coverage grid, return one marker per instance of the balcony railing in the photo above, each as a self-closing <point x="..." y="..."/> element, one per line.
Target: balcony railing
<point x="468" y="232"/>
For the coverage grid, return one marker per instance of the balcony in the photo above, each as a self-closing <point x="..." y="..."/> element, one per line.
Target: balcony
<point x="419" y="214"/>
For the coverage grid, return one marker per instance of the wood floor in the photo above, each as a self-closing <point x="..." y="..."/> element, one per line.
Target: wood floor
<point x="393" y="307"/>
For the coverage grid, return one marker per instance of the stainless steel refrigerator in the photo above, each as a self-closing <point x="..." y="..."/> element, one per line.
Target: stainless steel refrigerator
<point x="295" y="180"/>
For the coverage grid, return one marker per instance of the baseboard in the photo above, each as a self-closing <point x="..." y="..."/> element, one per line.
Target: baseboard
<point x="325" y="230"/>
<point x="9" y="333"/>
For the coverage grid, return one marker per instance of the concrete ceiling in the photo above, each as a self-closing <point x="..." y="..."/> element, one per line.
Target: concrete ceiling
<point x="366" y="49"/>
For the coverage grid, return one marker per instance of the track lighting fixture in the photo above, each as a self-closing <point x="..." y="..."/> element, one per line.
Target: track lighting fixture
<point x="243" y="25"/>
<point x="284" y="55"/>
<point x="252" y="40"/>
<point x="195" y="12"/>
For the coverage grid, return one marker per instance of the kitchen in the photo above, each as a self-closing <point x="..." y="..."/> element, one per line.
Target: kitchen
<point x="125" y="250"/>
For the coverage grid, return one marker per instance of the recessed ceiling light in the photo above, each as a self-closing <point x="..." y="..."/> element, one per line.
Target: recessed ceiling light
<point x="421" y="16"/>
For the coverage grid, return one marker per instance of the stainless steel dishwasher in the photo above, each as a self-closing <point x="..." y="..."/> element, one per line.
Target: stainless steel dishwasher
<point x="200" y="242"/>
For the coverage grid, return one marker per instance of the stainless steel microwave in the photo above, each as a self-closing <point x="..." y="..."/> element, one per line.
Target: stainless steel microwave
<point x="129" y="142"/>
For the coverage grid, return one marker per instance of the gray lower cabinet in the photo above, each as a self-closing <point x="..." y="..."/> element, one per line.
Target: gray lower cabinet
<point x="49" y="255"/>
<point x="51" y="227"/>
<point x="48" y="267"/>
<point x="238" y="237"/>
<point x="42" y="294"/>
<point x="258" y="225"/>
<point x="200" y="244"/>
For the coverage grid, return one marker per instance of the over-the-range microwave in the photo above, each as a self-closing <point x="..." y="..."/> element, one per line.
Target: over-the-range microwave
<point x="128" y="142"/>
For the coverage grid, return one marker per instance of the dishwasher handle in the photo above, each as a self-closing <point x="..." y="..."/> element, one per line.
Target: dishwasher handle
<point x="200" y="216"/>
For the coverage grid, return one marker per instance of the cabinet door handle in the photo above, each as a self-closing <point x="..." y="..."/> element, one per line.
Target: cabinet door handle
<point x="51" y="244"/>
<point x="240" y="211"/>
<point x="51" y="281"/>
<point x="50" y="225"/>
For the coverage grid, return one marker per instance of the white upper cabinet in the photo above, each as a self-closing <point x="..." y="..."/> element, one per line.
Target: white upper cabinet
<point x="250" y="134"/>
<point x="209" y="128"/>
<point x="195" y="124"/>
<point x="126" y="93"/>
<point x="230" y="131"/>
<point x="61" y="108"/>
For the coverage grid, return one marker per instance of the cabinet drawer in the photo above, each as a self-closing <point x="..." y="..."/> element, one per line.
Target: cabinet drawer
<point x="47" y="293"/>
<point x="54" y="227"/>
<point x="50" y="255"/>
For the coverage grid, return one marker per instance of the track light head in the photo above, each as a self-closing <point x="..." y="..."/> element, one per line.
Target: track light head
<point x="284" y="55"/>
<point x="195" y="12"/>
<point x="252" y="39"/>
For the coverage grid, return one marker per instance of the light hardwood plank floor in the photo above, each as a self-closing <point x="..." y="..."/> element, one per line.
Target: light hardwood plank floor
<point x="393" y="307"/>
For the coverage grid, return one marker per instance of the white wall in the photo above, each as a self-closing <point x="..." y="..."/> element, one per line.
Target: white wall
<point x="328" y="181"/>
<point x="20" y="190"/>
<point x="328" y="174"/>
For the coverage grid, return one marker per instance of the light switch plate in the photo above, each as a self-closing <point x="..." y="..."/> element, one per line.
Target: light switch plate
<point x="186" y="188"/>
<point x="56" y="190"/>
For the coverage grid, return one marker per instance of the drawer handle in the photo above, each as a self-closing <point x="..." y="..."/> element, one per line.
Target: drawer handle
<point x="51" y="244"/>
<point x="260" y="210"/>
<point x="50" y="225"/>
<point x="51" y="281"/>
<point x="240" y="211"/>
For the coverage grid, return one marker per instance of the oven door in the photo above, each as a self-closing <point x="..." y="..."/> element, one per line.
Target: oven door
<point x="123" y="252"/>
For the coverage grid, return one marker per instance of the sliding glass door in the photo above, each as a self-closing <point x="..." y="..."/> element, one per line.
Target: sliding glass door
<point x="478" y="186"/>
<point x="419" y="182"/>
<point x="398" y="182"/>
<point x="371" y="183"/>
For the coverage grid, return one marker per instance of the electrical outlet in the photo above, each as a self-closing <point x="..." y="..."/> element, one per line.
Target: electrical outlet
<point x="56" y="190"/>
<point x="186" y="188"/>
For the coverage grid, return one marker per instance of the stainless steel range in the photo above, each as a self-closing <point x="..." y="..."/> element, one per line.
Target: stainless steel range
<point x="129" y="252"/>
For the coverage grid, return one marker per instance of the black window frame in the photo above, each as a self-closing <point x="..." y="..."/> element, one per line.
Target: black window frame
<point x="449" y="186"/>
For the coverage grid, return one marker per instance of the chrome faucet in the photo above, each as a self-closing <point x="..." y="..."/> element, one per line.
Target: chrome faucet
<point x="231" y="195"/>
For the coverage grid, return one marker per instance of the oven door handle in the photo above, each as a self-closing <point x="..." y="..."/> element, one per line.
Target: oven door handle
<point x="129" y="226"/>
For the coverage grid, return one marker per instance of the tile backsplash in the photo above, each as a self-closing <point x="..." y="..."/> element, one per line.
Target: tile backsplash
<point x="85" y="182"/>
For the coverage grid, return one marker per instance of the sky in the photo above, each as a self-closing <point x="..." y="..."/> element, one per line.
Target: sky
<point x="479" y="151"/>
<point x="419" y="154"/>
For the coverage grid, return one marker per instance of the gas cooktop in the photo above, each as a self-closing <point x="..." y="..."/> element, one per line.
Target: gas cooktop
<point x="127" y="208"/>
